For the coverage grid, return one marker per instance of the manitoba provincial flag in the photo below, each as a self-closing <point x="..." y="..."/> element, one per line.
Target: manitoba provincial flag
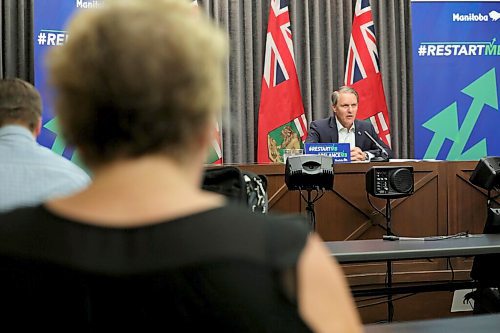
<point x="363" y="71"/>
<point x="215" y="152"/>
<point x="282" y="123"/>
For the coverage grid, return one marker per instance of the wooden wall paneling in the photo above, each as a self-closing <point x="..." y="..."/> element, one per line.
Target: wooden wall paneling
<point x="343" y="214"/>
<point x="467" y="203"/>
<point x="466" y="207"/>
<point x="346" y="213"/>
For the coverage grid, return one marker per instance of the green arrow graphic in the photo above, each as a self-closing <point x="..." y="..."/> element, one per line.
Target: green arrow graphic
<point x="445" y="126"/>
<point x="483" y="91"/>
<point x="78" y="161"/>
<point x="59" y="145"/>
<point x="476" y="152"/>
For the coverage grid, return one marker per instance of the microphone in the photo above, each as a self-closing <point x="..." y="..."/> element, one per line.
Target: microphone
<point x="395" y="238"/>
<point x="385" y="155"/>
<point x="428" y="238"/>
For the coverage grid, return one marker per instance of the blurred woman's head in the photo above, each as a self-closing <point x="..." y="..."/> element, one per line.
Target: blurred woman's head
<point x="138" y="77"/>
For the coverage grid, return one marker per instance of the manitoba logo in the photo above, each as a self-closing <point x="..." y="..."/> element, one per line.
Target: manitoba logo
<point x="494" y="15"/>
<point x="88" y="3"/>
<point x="471" y="17"/>
<point x="287" y="136"/>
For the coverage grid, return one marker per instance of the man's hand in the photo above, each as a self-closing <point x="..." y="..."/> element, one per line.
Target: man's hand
<point x="357" y="154"/>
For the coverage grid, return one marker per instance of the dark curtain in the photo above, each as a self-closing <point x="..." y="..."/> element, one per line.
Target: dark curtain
<point x="16" y="29"/>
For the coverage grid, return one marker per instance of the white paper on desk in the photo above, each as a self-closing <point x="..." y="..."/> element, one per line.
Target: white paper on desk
<point x="365" y="161"/>
<point x="403" y="160"/>
<point x="412" y="160"/>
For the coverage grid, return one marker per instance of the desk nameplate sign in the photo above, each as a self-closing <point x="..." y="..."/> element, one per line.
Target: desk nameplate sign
<point x="340" y="152"/>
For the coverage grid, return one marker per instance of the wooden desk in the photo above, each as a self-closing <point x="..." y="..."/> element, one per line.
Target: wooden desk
<point x="390" y="251"/>
<point x="381" y="250"/>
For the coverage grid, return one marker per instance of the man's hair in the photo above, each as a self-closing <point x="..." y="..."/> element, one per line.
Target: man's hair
<point x="343" y="90"/>
<point x="20" y="103"/>
<point x="138" y="77"/>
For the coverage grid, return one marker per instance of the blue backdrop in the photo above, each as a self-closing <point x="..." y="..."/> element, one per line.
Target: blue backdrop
<point x="49" y="22"/>
<point x="456" y="58"/>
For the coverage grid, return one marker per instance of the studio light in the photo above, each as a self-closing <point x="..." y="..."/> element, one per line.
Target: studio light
<point x="309" y="172"/>
<point x="487" y="173"/>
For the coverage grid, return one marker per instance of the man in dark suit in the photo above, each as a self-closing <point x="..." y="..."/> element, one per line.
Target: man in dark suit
<point x="343" y="126"/>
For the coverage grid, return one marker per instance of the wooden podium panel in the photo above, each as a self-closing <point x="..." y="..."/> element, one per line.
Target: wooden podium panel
<point x="466" y="202"/>
<point x="346" y="214"/>
<point x="467" y="209"/>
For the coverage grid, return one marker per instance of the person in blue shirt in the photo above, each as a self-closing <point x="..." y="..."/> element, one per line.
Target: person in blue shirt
<point x="29" y="172"/>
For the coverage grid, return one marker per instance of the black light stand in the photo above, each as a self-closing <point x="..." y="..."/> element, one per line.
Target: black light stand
<point x="389" y="182"/>
<point x="388" y="210"/>
<point x="390" y="305"/>
<point x="311" y="215"/>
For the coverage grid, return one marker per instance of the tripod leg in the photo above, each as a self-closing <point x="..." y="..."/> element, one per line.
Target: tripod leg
<point x="390" y="305"/>
<point x="310" y="216"/>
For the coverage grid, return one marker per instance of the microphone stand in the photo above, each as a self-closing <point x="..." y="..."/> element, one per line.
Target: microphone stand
<point x="385" y="155"/>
